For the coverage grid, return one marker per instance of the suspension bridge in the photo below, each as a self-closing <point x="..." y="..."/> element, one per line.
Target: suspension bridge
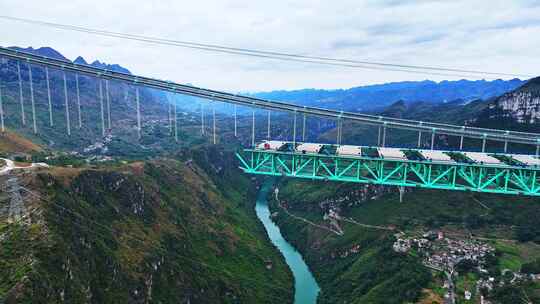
<point x="503" y="173"/>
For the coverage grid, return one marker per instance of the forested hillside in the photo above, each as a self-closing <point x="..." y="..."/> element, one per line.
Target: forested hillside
<point x="162" y="231"/>
<point x="361" y="265"/>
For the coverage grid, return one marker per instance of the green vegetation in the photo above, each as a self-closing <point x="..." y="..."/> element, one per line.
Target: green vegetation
<point x="520" y="293"/>
<point x="145" y="228"/>
<point x="15" y="254"/>
<point x="508" y="256"/>
<point x="369" y="276"/>
<point x="459" y="213"/>
<point x="466" y="282"/>
<point x="11" y="142"/>
<point x="141" y="228"/>
<point x="164" y="231"/>
<point x="531" y="267"/>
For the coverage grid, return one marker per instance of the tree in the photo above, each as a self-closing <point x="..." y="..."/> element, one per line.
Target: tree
<point x="527" y="233"/>
<point x="465" y="266"/>
<point x="531" y="267"/>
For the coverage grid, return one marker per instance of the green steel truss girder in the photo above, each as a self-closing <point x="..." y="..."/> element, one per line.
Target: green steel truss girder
<point x="450" y="176"/>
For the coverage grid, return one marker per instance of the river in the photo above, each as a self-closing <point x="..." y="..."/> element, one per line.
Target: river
<point x="306" y="288"/>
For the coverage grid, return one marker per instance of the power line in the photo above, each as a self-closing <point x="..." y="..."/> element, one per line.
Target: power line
<point x="224" y="50"/>
<point x="371" y="65"/>
<point x="485" y="134"/>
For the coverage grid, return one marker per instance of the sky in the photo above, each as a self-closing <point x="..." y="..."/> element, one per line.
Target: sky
<point x="490" y="35"/>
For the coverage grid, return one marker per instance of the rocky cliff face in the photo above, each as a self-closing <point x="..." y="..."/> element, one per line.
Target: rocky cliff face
<point x="518" y="108"/>
<point x="357" y="266"/>
<point x="523" y="107"/>
<point x="165" y="231"/>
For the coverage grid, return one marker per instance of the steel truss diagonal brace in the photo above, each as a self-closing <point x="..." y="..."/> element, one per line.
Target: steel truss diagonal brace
<point x="405" y="173"/>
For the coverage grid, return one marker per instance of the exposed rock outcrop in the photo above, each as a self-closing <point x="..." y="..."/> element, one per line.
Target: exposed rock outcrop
<point x="521" y="106"/>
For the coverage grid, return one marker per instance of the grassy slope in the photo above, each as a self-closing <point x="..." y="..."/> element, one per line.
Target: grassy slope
<point x="176" y="235"/>
<point x="11" y="142"/>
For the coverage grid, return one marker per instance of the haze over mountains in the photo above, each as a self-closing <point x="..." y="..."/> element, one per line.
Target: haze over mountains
<point x="361" y="98"/>
<point x="508" y="104"/>
<point x="516" y="109"/>
<point x="367" y="98"/>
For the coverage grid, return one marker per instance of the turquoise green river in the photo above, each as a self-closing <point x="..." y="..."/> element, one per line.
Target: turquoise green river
<point x="306" y="288"/>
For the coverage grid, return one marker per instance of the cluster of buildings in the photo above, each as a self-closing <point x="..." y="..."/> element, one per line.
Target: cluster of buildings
<point x="444" y="253"/>
<point x="91" y="158"/>
<point x="100" y="146"/>
<point x="511" y="278"/>
<point x="151" y="124"/>
<point x="99" y="158"/>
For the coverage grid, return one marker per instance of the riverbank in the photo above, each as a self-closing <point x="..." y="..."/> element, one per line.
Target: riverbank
<point x="358" y="266"/>
<point x="306" y="288"/>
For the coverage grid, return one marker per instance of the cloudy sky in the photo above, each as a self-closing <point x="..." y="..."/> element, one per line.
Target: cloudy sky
<point x="488" y="35"/>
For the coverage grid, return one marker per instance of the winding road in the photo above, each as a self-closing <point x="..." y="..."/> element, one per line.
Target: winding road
<point x="10" y="165"/>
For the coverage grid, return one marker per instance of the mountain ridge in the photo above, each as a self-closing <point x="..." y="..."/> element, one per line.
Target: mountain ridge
<point x="379" y="96"/>
<point x="159" y="231"/>
<point x="358" y="98"/>
<point x="52" y="53"/>
<point x="518" y="109"/>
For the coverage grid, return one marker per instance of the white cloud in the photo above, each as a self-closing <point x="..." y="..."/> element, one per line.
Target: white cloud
<point x="497" y="36"/>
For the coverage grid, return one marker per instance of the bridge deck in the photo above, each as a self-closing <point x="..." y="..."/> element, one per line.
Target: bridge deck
<point x="435" y="155"/>
<point x="349" y="150"/>
<point x="392" y="153"/>
<point x="527" y="159"/>
<point x="482" y="158"/>
<point x="250" y="101"/>
<point x="309" y="148"/>
<point x="429" y="156"/>
<point x="450" y="170"/>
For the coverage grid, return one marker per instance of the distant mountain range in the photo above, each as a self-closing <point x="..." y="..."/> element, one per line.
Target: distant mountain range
<point x="515" y="110"/>
<point x="518" y="109"/>
<point x="359" y="99"/>
<point x="52" y="53"/>
<point x="377" y="97"/>
<point x="497" y="103"/>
